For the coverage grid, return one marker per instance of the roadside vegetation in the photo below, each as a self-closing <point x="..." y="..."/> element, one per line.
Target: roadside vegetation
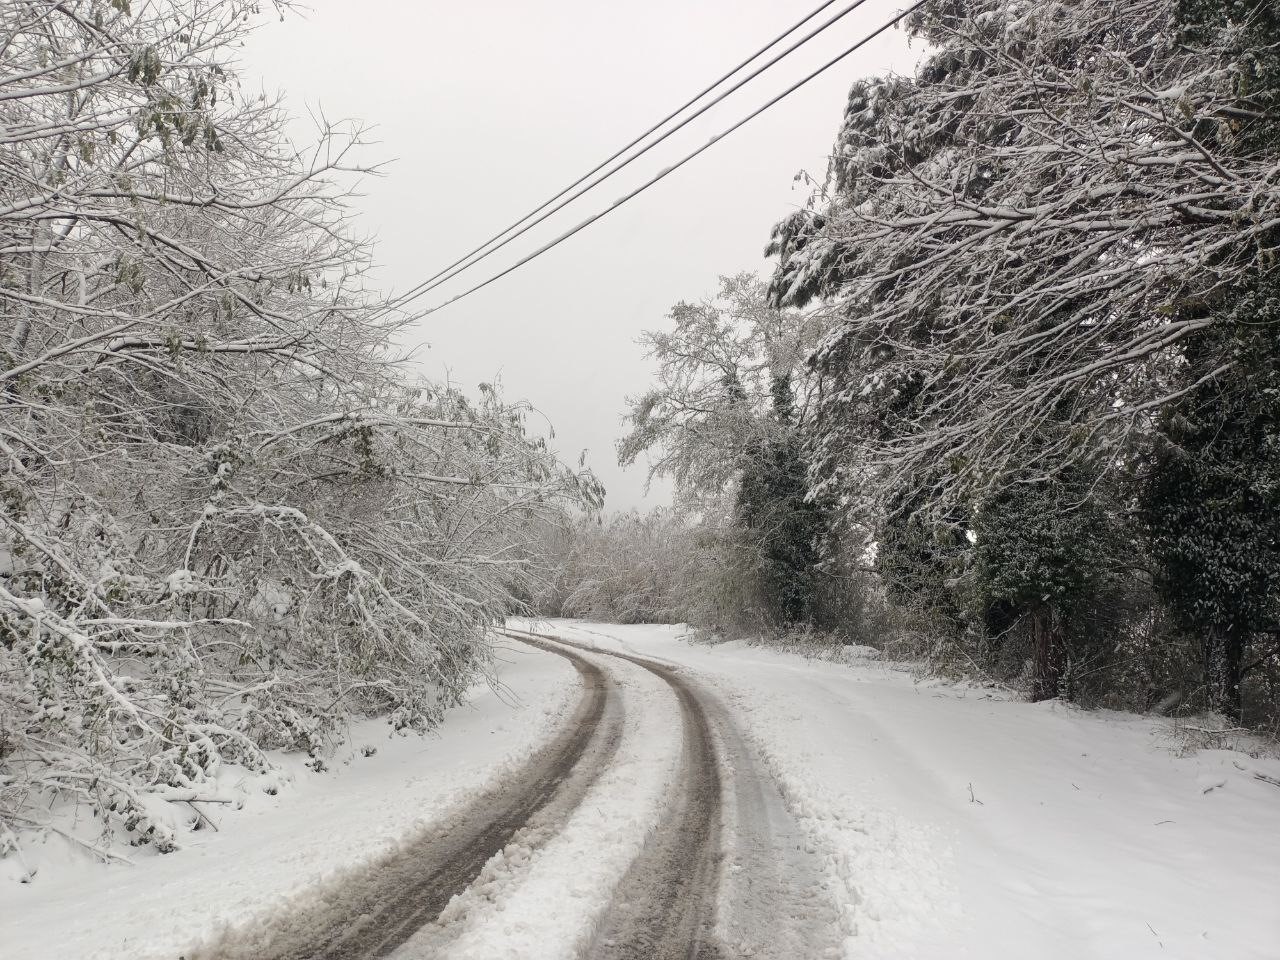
<point x="229" y="520"/>
<point x="1008" y="405"/>
<point x="1010" y="401"/>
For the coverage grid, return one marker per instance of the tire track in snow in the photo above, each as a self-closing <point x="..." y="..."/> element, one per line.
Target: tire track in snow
<point x="665" y="906"/>
<point x="728" y="873"/>
<point x="372" y="910"/>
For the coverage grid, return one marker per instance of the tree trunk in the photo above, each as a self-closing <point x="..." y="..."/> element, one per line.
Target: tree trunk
<point x="1225" y="671"/>
<point x="1046" y="632"/>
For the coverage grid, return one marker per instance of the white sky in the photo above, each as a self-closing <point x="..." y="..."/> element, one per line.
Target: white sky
<point x="486" y="109"/>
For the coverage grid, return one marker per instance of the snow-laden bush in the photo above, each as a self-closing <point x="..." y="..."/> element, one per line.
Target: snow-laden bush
<point x="630" y="568"/>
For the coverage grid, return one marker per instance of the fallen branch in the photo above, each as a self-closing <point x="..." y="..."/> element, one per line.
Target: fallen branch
<point x="201" y="815"/>
<point x="1213" y="733"/>
<point x="100" y="852"/>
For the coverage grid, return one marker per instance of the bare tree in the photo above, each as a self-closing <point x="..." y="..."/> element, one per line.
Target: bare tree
<point x="710" y="407"/>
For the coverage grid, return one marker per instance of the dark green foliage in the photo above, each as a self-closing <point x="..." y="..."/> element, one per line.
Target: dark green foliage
<point x="1211" y="498"/>
<point x="1212" y="495"/>
<point x="1255" y="27"/>
<point x="783" y="529"/>
<point x="781" y="525"/>
<point x="921" y="562"/>
<point x="1046" y="552"/>
<point x="1044" y="542"/>
<point x="1252" y="28"/>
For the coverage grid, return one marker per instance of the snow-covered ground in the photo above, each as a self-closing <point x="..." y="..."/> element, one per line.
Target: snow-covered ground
<point x="278" y="847"/>
<point x="542" y="898"/>
<point x="955" y="822"/>
<point x="946" y="821"/>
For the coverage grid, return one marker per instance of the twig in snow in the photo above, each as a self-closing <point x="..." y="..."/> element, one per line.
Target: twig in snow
<point x="1156" y="935"/>
<point x="1213" y="733"/>
<point x="200" y="814"/>
<point x="973" y="799"/>
<point x="1214" y="786"/>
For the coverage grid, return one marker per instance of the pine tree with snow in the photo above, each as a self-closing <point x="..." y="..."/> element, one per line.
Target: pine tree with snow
<point x="1044" y="550"/>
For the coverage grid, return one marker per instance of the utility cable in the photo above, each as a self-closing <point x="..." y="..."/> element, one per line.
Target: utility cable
<point x="666" y="171"/>
<point x="462" y="264"/>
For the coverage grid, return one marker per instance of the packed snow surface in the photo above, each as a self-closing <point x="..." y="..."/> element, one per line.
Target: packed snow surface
<point x="541" y="899"/>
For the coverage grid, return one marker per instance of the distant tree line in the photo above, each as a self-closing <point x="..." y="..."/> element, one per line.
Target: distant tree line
<point x="1017" y="373"/>
<point x="746" y="549"/>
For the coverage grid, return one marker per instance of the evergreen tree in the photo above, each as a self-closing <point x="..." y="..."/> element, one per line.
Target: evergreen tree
<point x="1211" y="500"/>
<point x="1045" y="549"/>
<point x="921" y="560"/>
<point x="782" y="525"/>
<point x="727" y="421"/>
<point x="1022" y="292"/>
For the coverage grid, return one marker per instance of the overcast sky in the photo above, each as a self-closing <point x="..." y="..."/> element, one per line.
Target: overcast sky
<point x="486" y="108"/>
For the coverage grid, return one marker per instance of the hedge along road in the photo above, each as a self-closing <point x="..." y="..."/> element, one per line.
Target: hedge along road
<point x="723" y="875"/>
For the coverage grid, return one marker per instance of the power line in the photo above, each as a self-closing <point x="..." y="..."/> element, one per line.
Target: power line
<point x="462" y="264"/>
<point x="422" y="287"/>
<point x="666" y="171"/>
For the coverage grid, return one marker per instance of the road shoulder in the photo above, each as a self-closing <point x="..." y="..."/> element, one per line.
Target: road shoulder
<point x="279" y="847"/>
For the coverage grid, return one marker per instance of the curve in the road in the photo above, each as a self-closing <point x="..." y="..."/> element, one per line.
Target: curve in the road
<point x="665" y="906"/>
<point x="372" y="911"/>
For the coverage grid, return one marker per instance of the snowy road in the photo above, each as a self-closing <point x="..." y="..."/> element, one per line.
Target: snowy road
<point x="373" y="911"/>
<point x="716" y="869"/>
<point x="671" y="903"/>
<point x="622" y="793"/>
<point x="665" y="906"/>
